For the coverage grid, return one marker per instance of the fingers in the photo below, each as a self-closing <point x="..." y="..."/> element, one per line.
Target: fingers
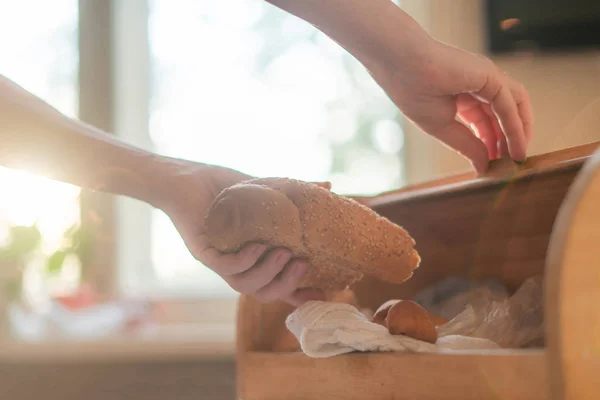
<point x="274" y="276"/>
<point x="284" y="284"/>
<point x="254" y="279"/>
<point x="473" y="115"/>
<point x="523" y="102"/>
<point x="459" y="138"/>
<point x="266" y="275"/>
<point x="501" y="145"/>
<point x="485" y="122"/>
<point x="506" y="111"/>
<point x="499" y="91"/>
<point x="230" y="264"/>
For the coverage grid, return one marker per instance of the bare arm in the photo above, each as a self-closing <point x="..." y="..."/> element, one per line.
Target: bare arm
<point x="368" y="29"/>
<point x="462" y="99"/>
<point x="37" y="138"/>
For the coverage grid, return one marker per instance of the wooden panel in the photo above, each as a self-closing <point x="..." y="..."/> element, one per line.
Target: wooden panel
<point x="500" y="231"/>
<point x="183" y="380"/>
<point x="508" y="376"/>
<point x="572" y="291"/>
<point x="96" y="108"/>
<point x="258" y="323"/>
<point x="500" y="170"/>
<point x="498" y="226"/>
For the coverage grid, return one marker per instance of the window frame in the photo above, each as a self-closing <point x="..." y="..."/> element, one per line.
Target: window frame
<point x="114" y="95"/>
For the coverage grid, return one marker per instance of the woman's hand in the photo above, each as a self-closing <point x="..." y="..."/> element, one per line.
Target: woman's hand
<point x="265" y="274"/>
<point x="445" y="91"/>
<point x="442" y="89"/>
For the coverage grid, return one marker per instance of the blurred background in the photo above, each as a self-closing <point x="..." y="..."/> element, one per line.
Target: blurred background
<point x="104" y="286"/>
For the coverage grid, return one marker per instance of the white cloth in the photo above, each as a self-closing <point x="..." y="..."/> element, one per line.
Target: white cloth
<point x="326" y="329"/>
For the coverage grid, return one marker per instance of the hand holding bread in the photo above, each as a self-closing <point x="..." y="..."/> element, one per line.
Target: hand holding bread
<point x="340" y="239"/>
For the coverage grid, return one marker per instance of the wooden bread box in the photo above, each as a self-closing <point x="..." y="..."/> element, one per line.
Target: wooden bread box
<point x="517" y="221"/>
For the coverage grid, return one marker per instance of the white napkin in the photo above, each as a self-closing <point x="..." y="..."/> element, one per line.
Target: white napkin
<point x="326" y="329"/>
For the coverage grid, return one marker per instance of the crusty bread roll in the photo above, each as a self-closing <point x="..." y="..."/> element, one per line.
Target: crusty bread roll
<point x="405" y="317"/>
<point x="381" y="314"/>
<point x="340" y="238"/>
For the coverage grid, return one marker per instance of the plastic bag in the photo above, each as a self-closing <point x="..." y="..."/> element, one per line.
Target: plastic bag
<point x="511" y="322"/>
<point x="451" y="296"/>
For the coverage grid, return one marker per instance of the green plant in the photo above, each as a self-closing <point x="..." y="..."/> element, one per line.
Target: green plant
<point x="24" y="244"/>
<point x="75" y="242"/>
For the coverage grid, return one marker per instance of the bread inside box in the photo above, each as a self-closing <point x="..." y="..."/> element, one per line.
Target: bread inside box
<point x="496" y="229"/>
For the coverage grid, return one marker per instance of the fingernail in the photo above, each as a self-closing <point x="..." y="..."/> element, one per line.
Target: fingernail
<point x="521" y="162"/>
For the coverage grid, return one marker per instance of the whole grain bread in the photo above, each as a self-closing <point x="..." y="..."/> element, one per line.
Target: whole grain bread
<point x="341" y="239"/>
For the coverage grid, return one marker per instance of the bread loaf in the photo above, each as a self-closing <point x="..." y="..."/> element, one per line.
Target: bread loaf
<point x="404" y="317"/>
<point x="380" y="315"/>
<point x="340" y="238"/>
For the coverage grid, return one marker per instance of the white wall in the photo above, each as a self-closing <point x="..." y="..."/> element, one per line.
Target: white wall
<point x="564" y="89"/>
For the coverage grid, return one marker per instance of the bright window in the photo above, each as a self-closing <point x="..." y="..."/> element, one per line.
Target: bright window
<point x="38" y="47"/>
<point x="266" y="93"/>
<point x="258" y="90"/>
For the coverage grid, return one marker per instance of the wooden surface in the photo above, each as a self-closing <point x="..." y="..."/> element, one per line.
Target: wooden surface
<point x="509" y="376"/>
<point x="119" y="350"/>
<point x="496" y="226"/>
<point x="111" y="380"/>
<point x="500" y="171"/>
<point x="573" y="291"/>
<point x="499" y="229"/>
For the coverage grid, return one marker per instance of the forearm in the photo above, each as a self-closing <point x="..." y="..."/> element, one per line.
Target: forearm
<point x="36" y="137"/>
<point x="368" y="29"/>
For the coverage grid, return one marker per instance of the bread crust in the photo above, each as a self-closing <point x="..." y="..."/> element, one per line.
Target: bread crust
<point x="408" y="318"/>
<point x="340" y="238"/>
